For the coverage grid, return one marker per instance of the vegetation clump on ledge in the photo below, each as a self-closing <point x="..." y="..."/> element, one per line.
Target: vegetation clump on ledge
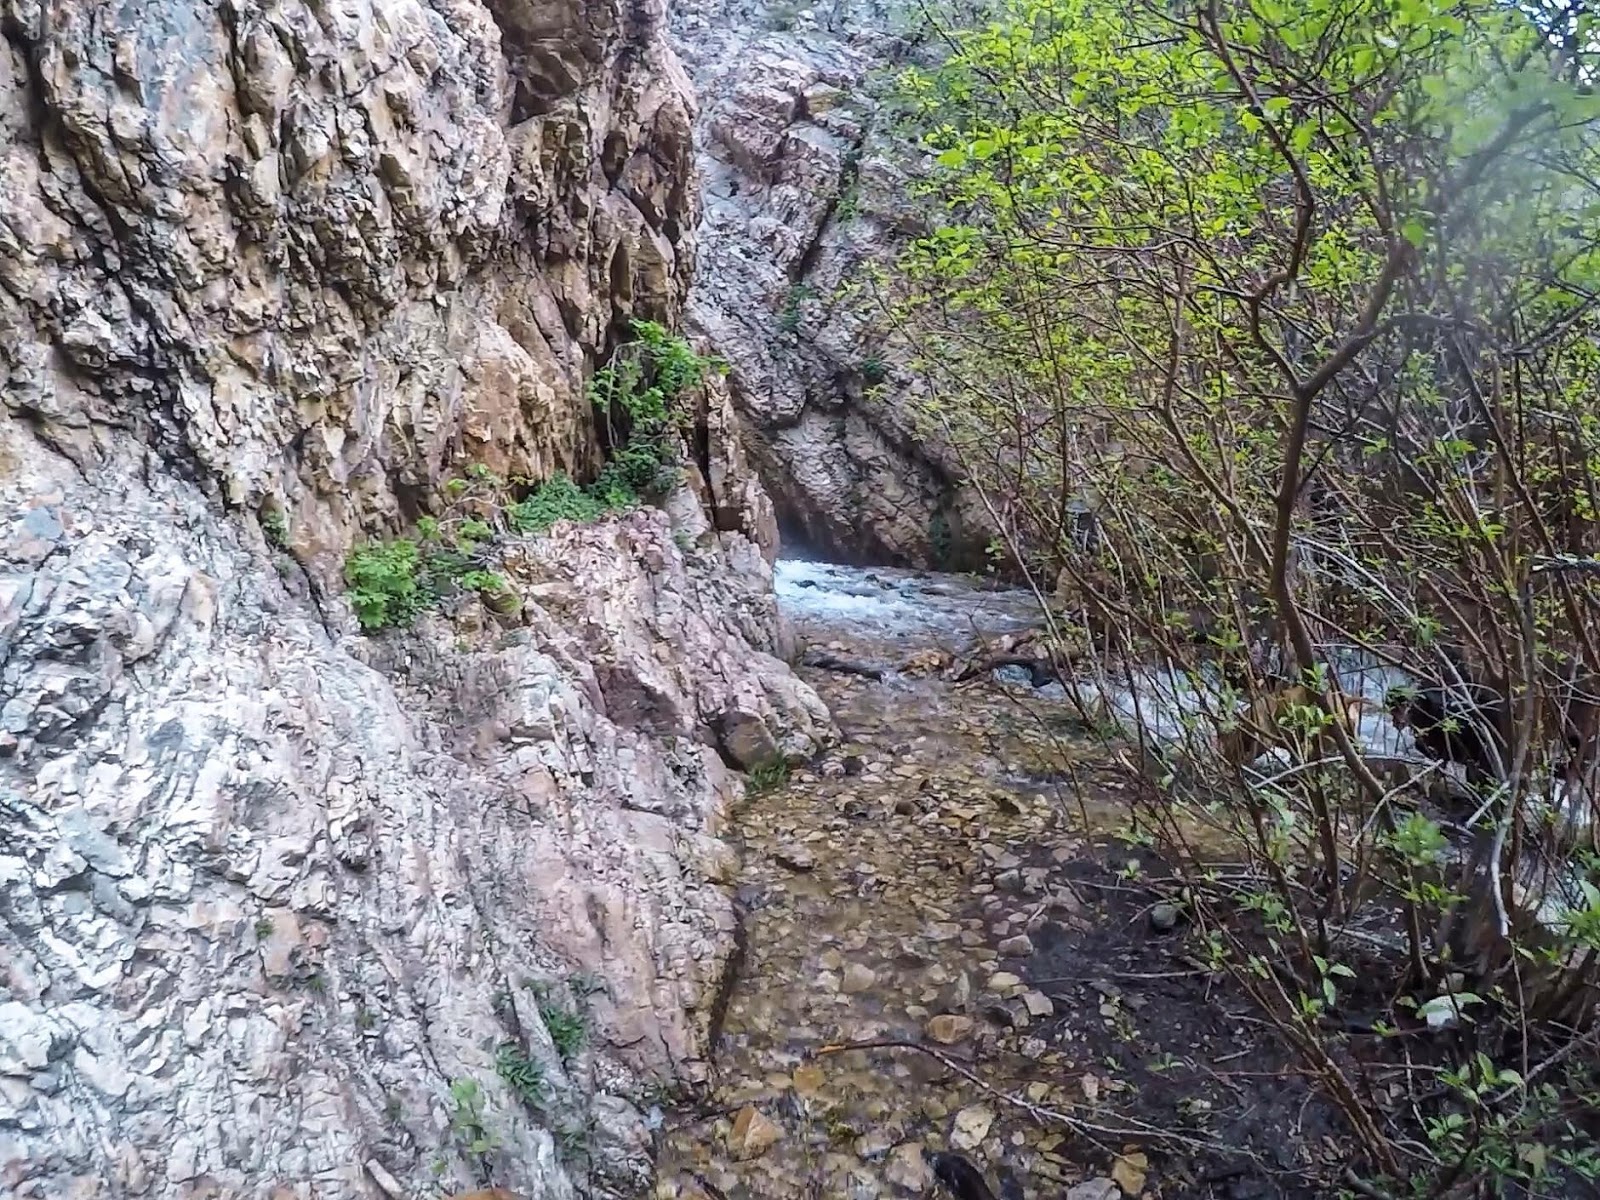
<point x="639" y="402"/>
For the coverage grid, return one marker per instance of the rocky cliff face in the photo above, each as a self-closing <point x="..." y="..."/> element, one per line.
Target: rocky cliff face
<point x="285" y="911"/>
<point x="318" y="253"/>
<point x="805" y="197"/>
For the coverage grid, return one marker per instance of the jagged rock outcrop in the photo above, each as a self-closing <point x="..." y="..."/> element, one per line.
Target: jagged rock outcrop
<point x="323" y="253"/>
<point x="805" y="197"/>
<point x="283" y="909"/>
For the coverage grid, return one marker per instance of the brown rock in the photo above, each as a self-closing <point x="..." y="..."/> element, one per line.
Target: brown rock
<point x="753" y="1133"/>
<point x="1129" y="1172"/>
<point x="1019" y="946"/>
<point x="808" y="1079"/>
<point x="972" y="1125"/>
<point x="796" y="858"/>
<point x="1039" y="1005"/>
<point x="948" y="1028"/>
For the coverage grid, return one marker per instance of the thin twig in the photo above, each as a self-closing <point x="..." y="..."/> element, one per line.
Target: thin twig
<point x="1040" y="1113"/>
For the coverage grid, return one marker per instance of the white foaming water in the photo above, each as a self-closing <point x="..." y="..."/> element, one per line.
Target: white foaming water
<point x="889" y="608"/>
<point x="1166" y="703"/>
<point x="897" y="605"/>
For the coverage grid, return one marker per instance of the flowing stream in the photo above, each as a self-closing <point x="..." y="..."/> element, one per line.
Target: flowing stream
<point x="882" y="891"/>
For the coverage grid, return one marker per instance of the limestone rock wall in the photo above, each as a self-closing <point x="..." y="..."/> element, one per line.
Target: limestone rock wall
<point x="805" y="197"/>
<point x="320" y="253"/>
<point x="284" y="911"/>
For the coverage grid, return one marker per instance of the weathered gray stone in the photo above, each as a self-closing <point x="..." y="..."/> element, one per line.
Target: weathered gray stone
<point x="269" y="890"/>
<point x="805" y="196"/>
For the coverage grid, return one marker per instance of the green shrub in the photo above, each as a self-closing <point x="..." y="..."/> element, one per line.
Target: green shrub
<point x="767" y="777"/>
<point x="874" y="370"/>
<point x="557" y="499"/>
<point x="638" y="398"/>
<point x="789" y="317"/>
<point x="566" y="1028"/>
<point x="648" y="376"/>
<point x="383" y="578"/>
<point x="522" y="1074"/>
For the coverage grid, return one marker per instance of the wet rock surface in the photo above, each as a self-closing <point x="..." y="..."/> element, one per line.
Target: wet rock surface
<point x="955" y="902"/>
<point x="805" y="197"/>
<point x="283" y="909"/>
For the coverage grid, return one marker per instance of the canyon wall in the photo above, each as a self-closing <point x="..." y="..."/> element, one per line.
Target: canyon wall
<point x="287" y="911"/>
<point x="807" y="204"/>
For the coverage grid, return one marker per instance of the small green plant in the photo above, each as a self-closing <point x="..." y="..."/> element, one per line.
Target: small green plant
<point x="467" y="1119"/>
<point x="522" y="1074"/>
<point x="263" y="927"/>
<point x="848" y="206"/>
<point x="393" y="1110"/>
<point x="275" y="528"/>
<point x="572" y="1140"/>
<point x="483" y="581"/>
<point x="316" y="983"/>
<point x="789" y="316"/>
<point x="767" y="777"/>
<point x="614" y="490"/>
<point x="558" y="499"/>
<point x="470" y="533"/>
<point x="383" y="578"/>
<point x="874" y="369"/>
<point x="565" y="1028"/>
<point x="366" y="1019"/>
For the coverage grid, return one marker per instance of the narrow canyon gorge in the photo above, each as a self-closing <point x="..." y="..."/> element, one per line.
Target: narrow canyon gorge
<point x="536" y="664"/>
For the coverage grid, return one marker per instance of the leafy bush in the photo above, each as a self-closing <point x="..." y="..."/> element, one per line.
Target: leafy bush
<point x="522" y="1074"/>
<point x="1292" y="301"/>
<point x="648" y="376"/>
<point x="767" y="777"/>
<point x="639" y="401"/>
<point x="612" y="491"/>
<point x="383" y="578"/>
<point x="566" y="1028"/>
<point x="558" y="499"/>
